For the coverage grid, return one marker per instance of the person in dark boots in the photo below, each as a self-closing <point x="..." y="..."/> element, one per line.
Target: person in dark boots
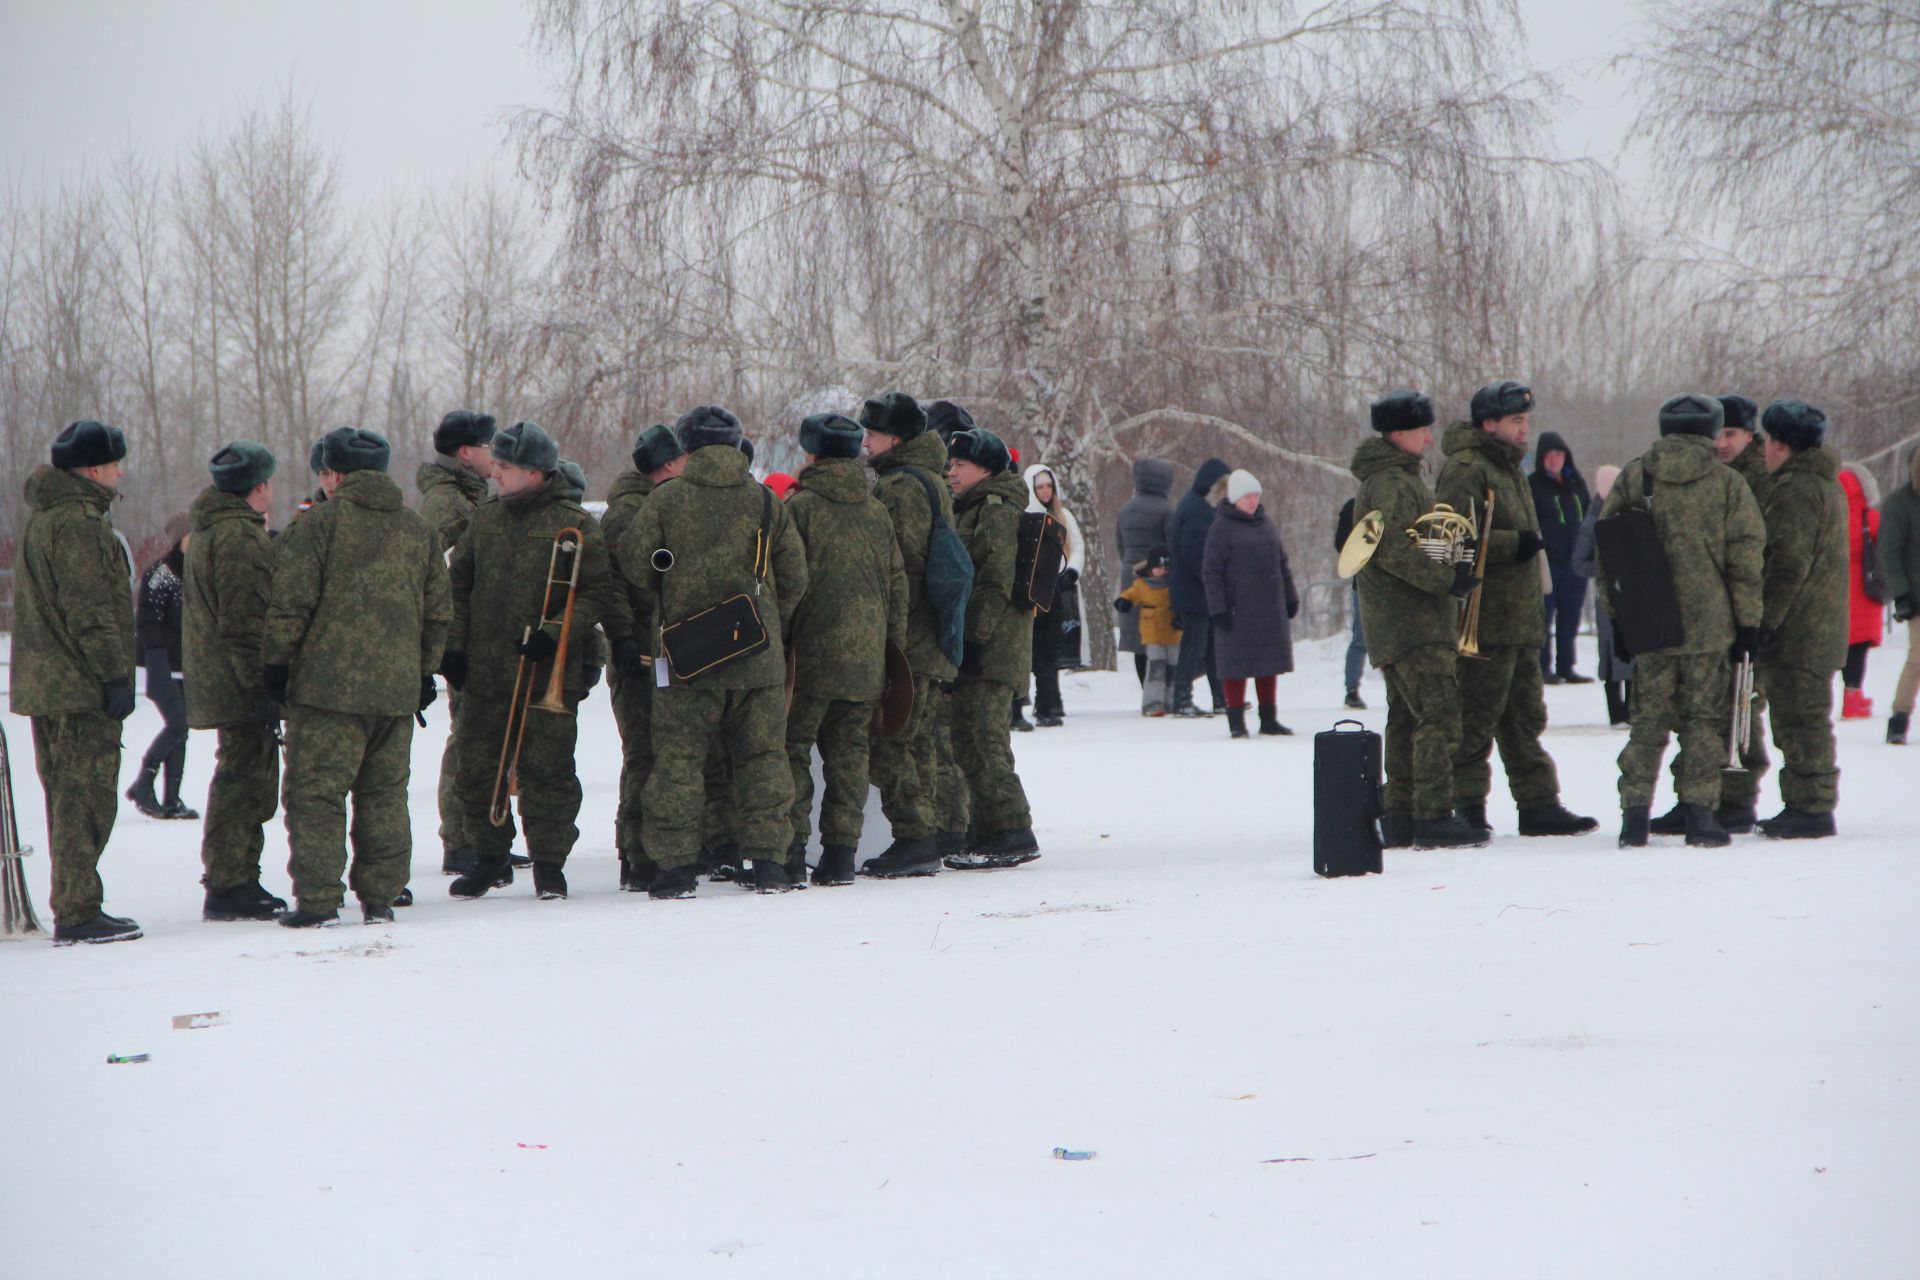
<point x="1057" y="632"/>
<point x="159" y="630"/>
<point x="1251" y="601"/>
<point x="1357" y="637"/>
<point x="1900" y="562"/>
<point x="1561" y="502"/>
<point x="1192" y="522"/>
<point x="1615" y="669"/>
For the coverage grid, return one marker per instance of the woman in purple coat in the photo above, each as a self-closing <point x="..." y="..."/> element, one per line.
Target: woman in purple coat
<point x="1251" y="598"/>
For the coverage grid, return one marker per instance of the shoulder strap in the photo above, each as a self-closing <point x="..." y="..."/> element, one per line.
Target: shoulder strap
<point x="933" y="499"/>
<point x="763" y="544"/>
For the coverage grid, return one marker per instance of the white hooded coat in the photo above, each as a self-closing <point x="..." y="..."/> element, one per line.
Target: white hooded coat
<point x="1076" y="545"/>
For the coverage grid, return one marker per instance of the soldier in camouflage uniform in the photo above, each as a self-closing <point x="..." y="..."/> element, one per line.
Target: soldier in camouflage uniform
<point x="499" y="574"/>
<point x="1804" y="619"/>
<point x="710" y="523"/>
<point x="1501" y="699"/>
<point x="353" y="631"/>
<point x="451" y="484"/>
<point x="657" y="458"/>
<point x="856" y="604"/>
<point x="1710" y="527"/>
<point x="73" y="641"/>
<point x="988" y="499"/>
<point x="910" y="461"/>
<point x="229" y="575"/>
<point x="952" y="821"/>
<point x="316" y="463"/>
<point x="1407" y="609"/>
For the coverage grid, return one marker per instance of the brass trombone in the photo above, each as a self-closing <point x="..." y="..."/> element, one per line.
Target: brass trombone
<point x="563" y="579"/>
<point x="1468" y="641"/>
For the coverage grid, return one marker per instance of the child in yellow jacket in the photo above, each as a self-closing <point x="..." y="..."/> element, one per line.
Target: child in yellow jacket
<point x="1159" y="628"/>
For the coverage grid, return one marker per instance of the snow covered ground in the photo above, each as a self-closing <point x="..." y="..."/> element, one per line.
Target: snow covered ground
<point x="1543" y="1058"/>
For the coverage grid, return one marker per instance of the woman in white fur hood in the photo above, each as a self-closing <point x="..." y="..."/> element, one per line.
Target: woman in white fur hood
<point x="1059" y="639"/>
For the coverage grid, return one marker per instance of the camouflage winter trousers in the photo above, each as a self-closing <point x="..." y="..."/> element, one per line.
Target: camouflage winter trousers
<point x="748" y="727"/>
<point x="78" y="759"/>
<point x="1502" y="701"/>
<point x="632" y="698"/>
<point x="453" y="818"/>
<point x="950" y="794"/>
<point x="332" y="755"/>
<point x="1802" y="702"/>
<point x="241" y="801"/>
<point x="840" y="730"/>
<point x="549" y="798"/>
<point x="1688" y="695"/>
<point x="1423" y="730"/>
<point x="903" y="767"/>
<point x="983" y="748"/>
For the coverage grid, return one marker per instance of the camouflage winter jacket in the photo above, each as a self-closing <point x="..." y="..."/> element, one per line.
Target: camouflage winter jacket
<point x="228" y="579"/>
<point x="987" y="518"/>
<point x="73" y="621"/>
<point x="856" y="597"/>
<point x="499" y="575"/>
<point x="1806" y="563"/>
<point x="1710" y="526"/>
<point x="449" y="494"/>
<point x="359" y="602"/>
<point x="1510" y="602"/>
<point x="906" y="502"/>
<point x="1751" y="464"/>
<point x="1403" y="594"/>
<point x="710" y="519"/>
<point x="624" y="501"/>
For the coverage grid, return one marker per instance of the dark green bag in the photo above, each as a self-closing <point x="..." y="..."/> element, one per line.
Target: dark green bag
<point x="949" y="577"/>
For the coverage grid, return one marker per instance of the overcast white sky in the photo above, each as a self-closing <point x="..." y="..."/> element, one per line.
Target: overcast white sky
<point x="412" y="91"/>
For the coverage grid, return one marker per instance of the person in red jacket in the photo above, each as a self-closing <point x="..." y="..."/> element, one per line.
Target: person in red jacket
<point x="1866" y="616"/>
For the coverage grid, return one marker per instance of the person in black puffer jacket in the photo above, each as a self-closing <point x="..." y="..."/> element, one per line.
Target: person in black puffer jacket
<point x="1561" y="498"/>
<point x="1192" y="521"/>
<point x="159" y="615"/>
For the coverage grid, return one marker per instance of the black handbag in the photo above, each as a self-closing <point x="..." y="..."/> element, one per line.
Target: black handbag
<point x="1639" y="579"/>
<point x="721" y="635"/>
<point x="1041" y="551"/>
<point x="1873" y="579"/>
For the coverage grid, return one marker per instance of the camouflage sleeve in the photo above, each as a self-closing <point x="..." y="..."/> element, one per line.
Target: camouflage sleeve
<point x="601" y="587"/>
<point x="1790" y="530"/>
<point x="1397" y="556"/>
<point x="295" y="594"/>
<point x="636" y="548"/>
<point x="789" y="557"/>
<point x="1463" y="487"/>
<point x="242" y="579"/>
<point x="438" y="611"/>
<point x="997" y="540"/>
<point x="96" y="597"/>
<point x="460" y="590"/>
<point x="896" y="597"/>
<point x="1746" y="555"/>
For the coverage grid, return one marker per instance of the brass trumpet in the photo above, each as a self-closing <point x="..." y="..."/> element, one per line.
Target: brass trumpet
<point x="563" y="581"/>
<point x="1467" y="644"/>
<point x="1740" y="730"/>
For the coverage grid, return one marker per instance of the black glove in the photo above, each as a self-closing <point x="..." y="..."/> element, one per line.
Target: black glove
<point x="1764" y="638"/>
<point x="1526" y="545"/>
<point x="973" y="659"/>
<point x="1068" y="578"/>
<point x="593" y="678"/>
<point x="453" y="665"/>
<point x="1463" y="581"/>
<point x="627" y="658"/>
<point x="1223" y="621"/>
<point x="1746" y="643"/>
<point x="538" y="647"/>
<point x="1123" y="605"/>
<point x="274" y="681"/>
<point x="1902" y="608"/>
<point x="1293" y="609"/>
<point x="428" y="692"/>
<point x="118" y="698"/>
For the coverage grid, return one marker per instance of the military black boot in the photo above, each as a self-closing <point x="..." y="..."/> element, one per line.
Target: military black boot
<point x="675" y="882"/>
<point x="796" y="866"/>
<point x="1236" y="722"/>
<point x="1633" y="827"/>
<point x="141" y="792"/>
<point x="549" y="881"/>
<point x="488" y="873"/>
<point x="1449" y="832"/>
<point x="770" y="876"/>
<point x="242" y="902"/>
<point x="301" y="918"/>
<point x="637" y="872"/>
<point x="1797" y="824"/>
<point x="1897" y="729"/>
<point x="950" y="843"/>
<point x="1008" y="849"/>
<point x="919" y="856"/>
<point x="1735" y="819"/>
<point x="1702" y="831"/>
<point x="1671" y="823"/>
<point x="1396" y="829"/>
<point x="1554" y="820"/>
<point x="835" y="865"/>
<point x="404" y="898"/>
<point x="1270" y="724"/>
<point x="102" y="928"/>
<point x="458" y="862"/>
<point x="375" y="912"/>
<point x="1475" y="815"/>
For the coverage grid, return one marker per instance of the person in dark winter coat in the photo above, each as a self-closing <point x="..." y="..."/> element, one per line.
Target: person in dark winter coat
<point x="1561" y="500"/>
<point x="1145" y="521"/>
<point x="1192" y="521"/>
<point x="1616" y="669"/>
<point x="1900" y="562"/>
<point x="159" y="615"/>
<point x="1251" y="600"/>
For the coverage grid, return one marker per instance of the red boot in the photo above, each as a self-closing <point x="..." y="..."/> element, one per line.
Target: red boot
<point x="1855" y="705"/>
